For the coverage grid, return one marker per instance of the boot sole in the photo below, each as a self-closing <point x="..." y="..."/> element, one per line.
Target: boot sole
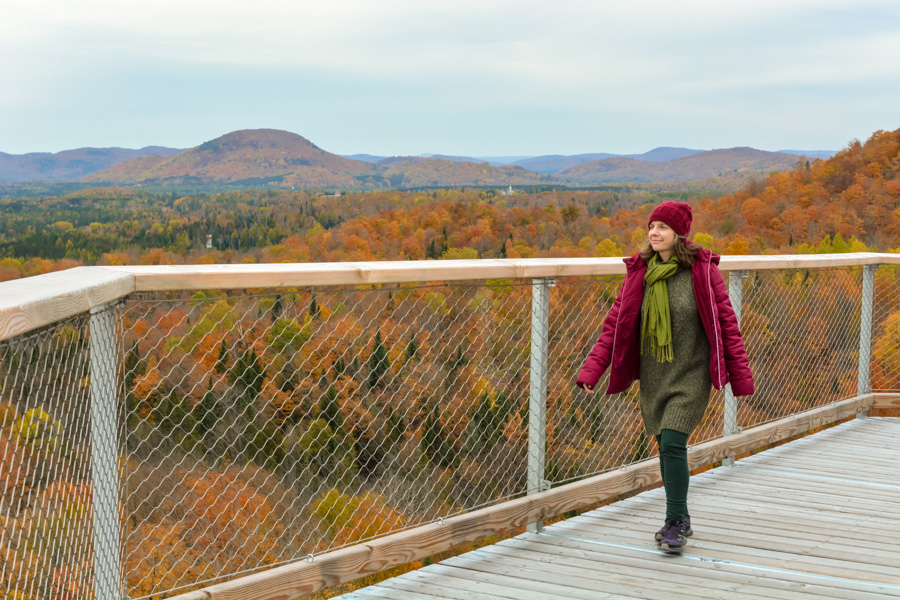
<point x="669" y="549"/>
<point x="687" y="533"/>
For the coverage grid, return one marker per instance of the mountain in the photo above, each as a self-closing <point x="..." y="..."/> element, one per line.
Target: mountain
<point x="269" y="157"/>
<point x="370" y="158"/>
<point x="553" y="163"/>
<point x="663" y="154"/>
<point x="70" y="164"/>
<point x="250" y="156"/>
<point x="429" y="172"/>
<point x="732" y="163"/>
<point x="261" y="157"/>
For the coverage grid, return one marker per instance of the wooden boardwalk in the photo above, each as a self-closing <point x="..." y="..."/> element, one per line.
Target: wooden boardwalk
<point x="815" y="518"/>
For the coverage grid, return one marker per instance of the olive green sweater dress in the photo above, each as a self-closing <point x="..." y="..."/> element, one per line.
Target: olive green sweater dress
<point x="674" y="395"/>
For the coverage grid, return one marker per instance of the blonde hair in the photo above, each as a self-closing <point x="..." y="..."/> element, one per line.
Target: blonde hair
<point x="684" y="251"/>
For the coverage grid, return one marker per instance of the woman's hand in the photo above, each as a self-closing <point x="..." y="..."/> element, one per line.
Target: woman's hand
<point x="587" y="388"/>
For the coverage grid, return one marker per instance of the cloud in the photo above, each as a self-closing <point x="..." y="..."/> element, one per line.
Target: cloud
<point x="414" y="61"/>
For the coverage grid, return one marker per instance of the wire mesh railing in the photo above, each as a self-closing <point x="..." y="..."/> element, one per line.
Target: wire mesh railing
<point x="47" y="508"/>
<point x="255" y="428"/>
<point x="885" y="373"/>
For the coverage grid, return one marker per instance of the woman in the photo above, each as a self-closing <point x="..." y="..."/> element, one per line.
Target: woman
<point x="673" y="327"/>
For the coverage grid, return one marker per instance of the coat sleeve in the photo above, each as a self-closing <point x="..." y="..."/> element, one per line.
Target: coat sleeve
<point x="736" y="362"/>
<point x="600" y="355"/>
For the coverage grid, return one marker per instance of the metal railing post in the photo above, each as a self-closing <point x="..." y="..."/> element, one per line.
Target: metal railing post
<point x="729" y="425"/>
<point x="865" y="331"/>
<point x="104" y="442"/>
<point x="537" y="396"/>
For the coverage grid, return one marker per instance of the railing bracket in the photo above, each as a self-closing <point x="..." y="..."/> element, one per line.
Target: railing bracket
<point x="440" y="520"/>
<point x="311" y="559"/>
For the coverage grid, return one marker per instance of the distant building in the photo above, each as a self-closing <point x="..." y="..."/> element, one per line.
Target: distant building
<point x="208" y="241"/>
<point x="508" y="192"/>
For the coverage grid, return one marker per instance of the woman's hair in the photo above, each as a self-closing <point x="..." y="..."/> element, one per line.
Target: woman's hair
<point x="684" y="251"/>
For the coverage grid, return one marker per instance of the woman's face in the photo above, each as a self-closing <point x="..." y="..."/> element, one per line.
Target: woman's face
<point x="662" y="238"/>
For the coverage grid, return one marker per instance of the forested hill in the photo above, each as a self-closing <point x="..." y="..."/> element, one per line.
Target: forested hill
<point x="249" y="155"/>
<point x="848" y="202"/>
<point x="267" y="158"/>
<point x="70" y="164"/>
<point x="733" y="163"/>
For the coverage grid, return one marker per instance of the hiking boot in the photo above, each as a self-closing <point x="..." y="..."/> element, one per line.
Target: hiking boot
<point x="674" y="538"/>
<point x="688" y="532"/>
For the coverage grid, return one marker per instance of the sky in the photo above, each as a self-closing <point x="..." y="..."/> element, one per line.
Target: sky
<point x="464" y="77"/>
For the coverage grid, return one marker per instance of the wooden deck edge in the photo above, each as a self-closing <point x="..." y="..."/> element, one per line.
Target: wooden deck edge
<point x="333" y="568"/>
<point x="886" y="401"/>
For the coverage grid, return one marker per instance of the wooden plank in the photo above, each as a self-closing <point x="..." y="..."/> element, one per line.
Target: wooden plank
<point x="870" y="479"/>
<point x="751" y="577"/>
<point x="718" y="513"/>
<point x="461" y="588"/>
<point x="741" y="547"/>
<point x="886" y="401"/>
<point x="856" y="483"/>
<point x="621" y="557"/>
<point x="517" y="583"/>
<point x="576" y="571"/>
<point x="29" y="303"/>
<point x="830" y="558"/>
<point x="878" y="457"/>
<point x="188" y="277"/>
<point x="377" y="592"/>
<point x="273" y="275"/>
<point x="817" y="482"/>
<point x="766" y="538"/>
<point x="758" y="506"/>
<point x="648" y="569"/>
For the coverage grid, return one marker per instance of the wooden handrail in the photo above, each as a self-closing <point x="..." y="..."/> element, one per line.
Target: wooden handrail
<point x="333" y="568"/>
<point x="26" y="304"/>
<point x="32" y="302"/>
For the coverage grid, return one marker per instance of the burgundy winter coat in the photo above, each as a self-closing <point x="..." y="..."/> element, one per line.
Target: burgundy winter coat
<point x="620" y="341"/>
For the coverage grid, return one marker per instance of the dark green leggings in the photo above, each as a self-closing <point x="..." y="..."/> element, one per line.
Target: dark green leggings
<point x="673" y="466"/>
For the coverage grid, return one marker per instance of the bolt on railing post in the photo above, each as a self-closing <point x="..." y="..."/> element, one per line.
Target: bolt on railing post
<point x="104" y="471"/>
<point x="735" y="295"/>
<point x="537" y="396"/>
<point x="865" y="331"/>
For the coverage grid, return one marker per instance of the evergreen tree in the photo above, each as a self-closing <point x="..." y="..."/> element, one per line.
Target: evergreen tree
<point x="396" y="427"/>
<point x="339" y="366"/>
<point x="207" y="412"/>
<point x="222" y="359"/>
<point x="486" y="425"/>
<point x="277" y="308"/>
<point x="412" y="347"/>
<point x="330" y="410"/>
<point x="247" y="374"/>
<point x="314" y="307"/>
<point x="435" y="444"/>
<point x="378" y="362"/>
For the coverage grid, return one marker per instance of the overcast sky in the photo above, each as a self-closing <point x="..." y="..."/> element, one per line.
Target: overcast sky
<point x="479" y="77"/>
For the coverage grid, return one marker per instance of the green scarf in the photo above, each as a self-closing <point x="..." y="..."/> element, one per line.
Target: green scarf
<point x="656" y="332"/>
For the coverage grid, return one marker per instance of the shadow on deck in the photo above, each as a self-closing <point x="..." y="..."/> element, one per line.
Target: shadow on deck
<point x="818" y="517"/>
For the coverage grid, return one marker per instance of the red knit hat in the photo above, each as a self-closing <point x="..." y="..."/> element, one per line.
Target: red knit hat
<point x="676" y="215"/>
